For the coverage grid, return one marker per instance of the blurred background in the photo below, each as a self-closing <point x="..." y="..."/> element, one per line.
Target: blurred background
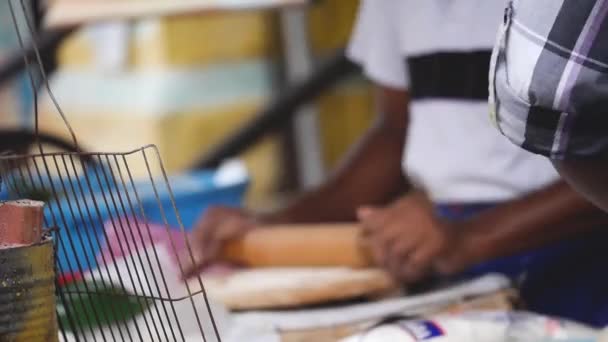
<point x="187" y="83"/>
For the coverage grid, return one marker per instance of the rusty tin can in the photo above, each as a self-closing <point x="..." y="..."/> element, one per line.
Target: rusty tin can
<point x="27" y="293"/>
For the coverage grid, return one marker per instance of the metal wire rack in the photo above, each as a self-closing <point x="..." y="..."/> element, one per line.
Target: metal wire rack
<point x="113" y="283"/>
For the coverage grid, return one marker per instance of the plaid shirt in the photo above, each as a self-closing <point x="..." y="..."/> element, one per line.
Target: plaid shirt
<point x="549" y="77"/>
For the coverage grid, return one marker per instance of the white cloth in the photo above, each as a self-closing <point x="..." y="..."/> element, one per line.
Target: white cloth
<point x="453" y="152"/>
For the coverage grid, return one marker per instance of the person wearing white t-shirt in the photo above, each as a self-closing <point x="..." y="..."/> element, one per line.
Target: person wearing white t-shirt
<point x="437" y="189"/>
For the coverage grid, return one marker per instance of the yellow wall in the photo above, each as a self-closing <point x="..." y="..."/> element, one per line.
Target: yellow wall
<point x="181" y="137"/>
<point x="190" y="41"/>
<point x="347" y="110"/>
<point x="199" y="43"/>
<point x="330" y="24"/>
<point x="217" y="38"/>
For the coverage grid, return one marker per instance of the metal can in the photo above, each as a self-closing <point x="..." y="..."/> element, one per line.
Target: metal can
<point x="27" y="293"/>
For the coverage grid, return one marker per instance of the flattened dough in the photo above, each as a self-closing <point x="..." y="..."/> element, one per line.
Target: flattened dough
<point x="274" y="288"/>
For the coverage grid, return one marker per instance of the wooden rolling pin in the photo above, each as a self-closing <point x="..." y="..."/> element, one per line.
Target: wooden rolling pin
<point x="320" y="245"/>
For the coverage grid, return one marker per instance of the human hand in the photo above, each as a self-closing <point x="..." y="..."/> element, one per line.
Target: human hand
<point x="409" y="241"/>
<point x="216" y="227"/>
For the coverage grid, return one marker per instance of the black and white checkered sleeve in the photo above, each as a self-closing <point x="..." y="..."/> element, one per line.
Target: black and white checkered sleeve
<point x="549" y="77"/>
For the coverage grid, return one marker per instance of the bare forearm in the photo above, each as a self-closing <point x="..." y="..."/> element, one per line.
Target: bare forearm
<point x="543" y="217"/>
<point x="588" y="177"/>
<point x="370" y="175"/>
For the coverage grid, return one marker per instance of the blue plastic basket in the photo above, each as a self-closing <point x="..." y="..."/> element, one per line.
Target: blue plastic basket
<point x="80" y="221"/>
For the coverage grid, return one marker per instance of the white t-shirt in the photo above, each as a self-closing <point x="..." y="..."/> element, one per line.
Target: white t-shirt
<point x="440" y="51"/>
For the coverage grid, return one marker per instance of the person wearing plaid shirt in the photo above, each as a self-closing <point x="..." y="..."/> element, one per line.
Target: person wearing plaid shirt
<point x="549" y="87"/>
<point x="436" y="189"/>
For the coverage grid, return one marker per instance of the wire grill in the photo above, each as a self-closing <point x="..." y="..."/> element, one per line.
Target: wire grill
<point x="131" y="290"/>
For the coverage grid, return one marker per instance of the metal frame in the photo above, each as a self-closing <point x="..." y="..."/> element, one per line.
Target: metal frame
<point x="281" y="111"/>
<point x="305" y="127"/>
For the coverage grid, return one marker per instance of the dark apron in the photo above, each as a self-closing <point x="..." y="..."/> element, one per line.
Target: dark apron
<point x="568" y="279"/>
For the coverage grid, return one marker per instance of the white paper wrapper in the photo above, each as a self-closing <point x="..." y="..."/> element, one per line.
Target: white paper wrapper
<point x="480" y="327"/>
